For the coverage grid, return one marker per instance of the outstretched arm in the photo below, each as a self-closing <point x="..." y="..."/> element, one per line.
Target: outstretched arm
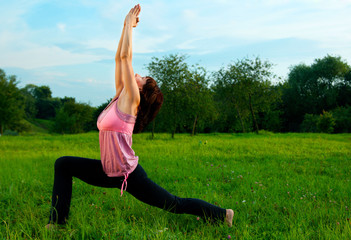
<point x="118" y="71"/>
<point x="130" y="84"/>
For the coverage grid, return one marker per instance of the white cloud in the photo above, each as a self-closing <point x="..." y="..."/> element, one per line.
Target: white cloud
<point x="51" y="74"/>
<point x="197" y="27"/>
<point x="110" y="9"/>
<point x="190" y="14"/>
<point x="150" y="43"/>
<point x="61" y="27"/>
<point x="12" y="11"/>
<point x="267" y="20"/>
<point x="188" y="44"/>
<point x="39" y="56"/>
<point x="109" y="44"/>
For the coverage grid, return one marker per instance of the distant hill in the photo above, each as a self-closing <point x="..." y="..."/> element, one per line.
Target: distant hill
<point x="38" y="126"/>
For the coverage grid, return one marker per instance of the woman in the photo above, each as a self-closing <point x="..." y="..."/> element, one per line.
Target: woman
<point x="136" y="103"/>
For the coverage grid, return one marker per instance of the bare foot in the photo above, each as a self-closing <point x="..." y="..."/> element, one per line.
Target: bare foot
<point x="229" y="217"/>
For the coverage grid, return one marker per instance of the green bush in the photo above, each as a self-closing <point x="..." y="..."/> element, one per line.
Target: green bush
<point x="265" y="132"/>
<point x="9" y="132"/>
<point x="342" y="117"/>
<point x="309" y="123"/>
<point x="73" y="117"/>
<point x="272" y="121"/>
<point x="326" y="122"/>
<point x="64" y="123"/>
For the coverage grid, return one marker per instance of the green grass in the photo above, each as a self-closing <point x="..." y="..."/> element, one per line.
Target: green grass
<point x="281" y="186"/>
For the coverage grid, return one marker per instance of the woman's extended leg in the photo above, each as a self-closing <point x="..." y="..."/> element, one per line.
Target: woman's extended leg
<point x="144" y="189"/>
<point x="88" y="170"/>
<point x="139" y="185"/>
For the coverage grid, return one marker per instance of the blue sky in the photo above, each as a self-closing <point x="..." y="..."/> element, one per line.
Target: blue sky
<point x="70" y="45"/>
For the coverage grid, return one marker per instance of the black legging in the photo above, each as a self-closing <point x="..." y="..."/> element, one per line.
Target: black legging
<point x="139" y="185"/>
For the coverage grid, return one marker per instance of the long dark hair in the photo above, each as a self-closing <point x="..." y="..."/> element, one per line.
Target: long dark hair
<point x="151" y="99"/>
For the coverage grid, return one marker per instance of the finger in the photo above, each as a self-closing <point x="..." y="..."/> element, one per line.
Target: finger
<point x="138" y="11"/>
<point x="135" y="9"/>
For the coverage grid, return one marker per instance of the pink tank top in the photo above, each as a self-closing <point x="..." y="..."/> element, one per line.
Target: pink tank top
<point x="115" y="137"/>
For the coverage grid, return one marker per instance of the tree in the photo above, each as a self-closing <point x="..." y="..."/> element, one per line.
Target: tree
<point x="228" y="97"/>
<point x="29" y="101"/>
<point x="42" y="92"/>
<point x="344" y="90"/>
<point x="324" y="85"/>
<point x="45" y="105"/>
<point x="246" y="87"/>
<point x="198" y="99"/>
<point x="171" y="73"/>
<point x="188" y="101"/>
<point x="11" y="101"/>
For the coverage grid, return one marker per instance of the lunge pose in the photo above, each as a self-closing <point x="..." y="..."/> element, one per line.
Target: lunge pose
<point x="136" y="103"/>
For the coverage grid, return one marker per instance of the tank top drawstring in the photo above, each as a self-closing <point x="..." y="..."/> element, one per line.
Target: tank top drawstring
<point x="124" y="182"/>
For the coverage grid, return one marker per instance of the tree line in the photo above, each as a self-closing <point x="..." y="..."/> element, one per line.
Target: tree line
<point x="244" y="96"/>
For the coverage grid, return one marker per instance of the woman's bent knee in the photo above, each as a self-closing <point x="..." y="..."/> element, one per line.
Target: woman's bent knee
<point x="61" y="163"/>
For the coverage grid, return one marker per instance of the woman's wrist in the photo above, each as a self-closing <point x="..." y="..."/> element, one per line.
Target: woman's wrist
<point x="128" y="25"/>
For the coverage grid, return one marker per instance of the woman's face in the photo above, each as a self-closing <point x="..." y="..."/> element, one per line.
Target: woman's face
<point x="140" y="80"/>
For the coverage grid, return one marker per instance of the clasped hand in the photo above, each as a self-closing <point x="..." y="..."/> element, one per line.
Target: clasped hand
<point x="132" y="17"/>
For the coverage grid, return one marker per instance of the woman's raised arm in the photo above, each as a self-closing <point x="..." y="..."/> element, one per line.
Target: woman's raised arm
<point x="130" y="85"/>
<point x="118" y="71"/>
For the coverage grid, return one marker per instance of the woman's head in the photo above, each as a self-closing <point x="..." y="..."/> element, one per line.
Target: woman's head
<point x="151" y="99"/>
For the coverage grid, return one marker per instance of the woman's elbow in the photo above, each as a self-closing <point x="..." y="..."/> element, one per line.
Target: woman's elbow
<point x="125" y="56"/>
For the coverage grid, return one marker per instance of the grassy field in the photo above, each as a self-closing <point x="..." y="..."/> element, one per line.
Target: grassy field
<point x="281" y="186"/>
